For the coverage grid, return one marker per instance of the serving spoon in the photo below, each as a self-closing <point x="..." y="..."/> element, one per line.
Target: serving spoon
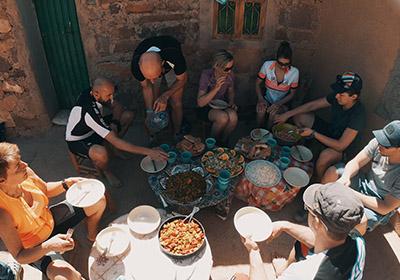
<point x="190" y="216"/>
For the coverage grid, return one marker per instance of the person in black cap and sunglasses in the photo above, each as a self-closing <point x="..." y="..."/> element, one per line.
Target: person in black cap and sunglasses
<point x="379" y="189"/>
<point x="341" y="137"/>
<point x="334" y="211"/>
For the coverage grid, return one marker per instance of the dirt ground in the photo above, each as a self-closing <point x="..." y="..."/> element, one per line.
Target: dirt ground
<point x="48" y="156"/>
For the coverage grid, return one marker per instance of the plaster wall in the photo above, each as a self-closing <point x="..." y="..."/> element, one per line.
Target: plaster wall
<point x="360" y="36"/>
<point x="21" y="104"/>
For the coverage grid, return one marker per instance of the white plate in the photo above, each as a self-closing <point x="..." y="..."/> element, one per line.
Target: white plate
<point x="218" y="104"/>
<point x="305" y="153"/>
<point x="118" y="245"/>
<point x="147" y="165"/>
<point x="264" y="135"/>
<point x="252" y="221"/>
<point x="296" y="177"/>
<point x="144" y="219"/>
<point x="85" y="193"/>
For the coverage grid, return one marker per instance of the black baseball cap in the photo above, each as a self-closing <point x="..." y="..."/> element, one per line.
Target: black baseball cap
<point x="389" y="136"/>
<point x="347" y="82"/>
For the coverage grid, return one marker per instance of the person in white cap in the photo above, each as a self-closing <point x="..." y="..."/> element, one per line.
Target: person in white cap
<point x="333" y="211"/>
<point x="379" y="189"/>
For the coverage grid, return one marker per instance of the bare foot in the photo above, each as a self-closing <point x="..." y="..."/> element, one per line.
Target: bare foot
<point x="114" y="182"/>
<point x="279" y="263"/>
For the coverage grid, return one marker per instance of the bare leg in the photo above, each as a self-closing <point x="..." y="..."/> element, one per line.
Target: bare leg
<point x="126" y="120"/>
<point x="99" y="156"/>
<point x="219" y="119"/>
<point x="327" y="158"/>
<point x="177" y="113"/>
<point x="304" y="120"/>
<point x="230" y="126"/>
<point x="280" y="263"/>
<point x="331" y="175"/>
<point x="260" y="118"/>
<point x="61" y="270"/>
<point x="94" y="214"/>
<point x="362" y="226"/>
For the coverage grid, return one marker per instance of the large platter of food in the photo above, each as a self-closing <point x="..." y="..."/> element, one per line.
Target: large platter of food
<point x="263" y="173"/>
<point x="223" y="159"/>
<point x="179" y="238"/>
<point x="252" y="149"/>
<point x="285" y="134"/>
<point x="185" y="187"/>
<point x="191" y="144"/>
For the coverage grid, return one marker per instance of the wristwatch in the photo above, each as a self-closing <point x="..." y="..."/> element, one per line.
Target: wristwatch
<point x="64" y="185"/>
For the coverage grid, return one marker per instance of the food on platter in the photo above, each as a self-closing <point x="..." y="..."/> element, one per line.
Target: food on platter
<point x="252" y="149"/>
<point x="187" y="186"/>
<point x="181" y="238"/>
<point x="223" y="159"/>
<point x="191" y="144"/>
<point x="286" y="135"/>
<point x="263" y="173"/>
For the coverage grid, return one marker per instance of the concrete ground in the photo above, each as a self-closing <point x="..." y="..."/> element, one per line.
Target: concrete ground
<point x="48" y="156"/>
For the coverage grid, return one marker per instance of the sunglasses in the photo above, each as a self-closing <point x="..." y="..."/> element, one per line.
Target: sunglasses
<point x="315" y="215"/>
<point x="283" y="64"/>
<point x="227" y="69"/>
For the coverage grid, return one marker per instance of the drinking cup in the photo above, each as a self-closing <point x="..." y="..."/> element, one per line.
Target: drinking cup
<point x="210" y="143"/>
<point x="271" y="142"/>
<point x="165" y="147"/>
<point x="186" y="156"/>
<point x="285" y="152"/>
<point x="224" y="177"/>
<point x="172" y="158"/>
<point x="284" y="162"/>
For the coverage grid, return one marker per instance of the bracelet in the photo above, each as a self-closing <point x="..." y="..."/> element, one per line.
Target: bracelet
<point x="313" y="133"/>
<point x="64" y="185"/>
<point x="149" y="111"/>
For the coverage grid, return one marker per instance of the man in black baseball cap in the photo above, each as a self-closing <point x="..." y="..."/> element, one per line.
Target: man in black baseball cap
<point x="379" y="189"/>
<point x="342" y="137"/>
<point x="334" y="211"/>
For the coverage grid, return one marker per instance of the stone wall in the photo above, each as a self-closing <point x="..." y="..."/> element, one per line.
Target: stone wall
<point x="111" y="30"/>
<point x="21" y="105"/>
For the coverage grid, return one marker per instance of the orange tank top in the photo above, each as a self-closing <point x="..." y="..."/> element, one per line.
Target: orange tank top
<point x="33" y="223"/>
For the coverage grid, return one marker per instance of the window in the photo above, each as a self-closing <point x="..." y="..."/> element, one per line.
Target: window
<point x="239" y="19"/>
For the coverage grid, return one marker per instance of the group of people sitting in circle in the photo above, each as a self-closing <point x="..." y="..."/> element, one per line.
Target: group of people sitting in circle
<point x="345" y="202"/>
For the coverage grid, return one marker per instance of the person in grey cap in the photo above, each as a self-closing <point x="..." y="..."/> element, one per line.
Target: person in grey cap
<point x="333" y="210"/>
<point x="342" y="136"/>
<point x="379" y="189"/>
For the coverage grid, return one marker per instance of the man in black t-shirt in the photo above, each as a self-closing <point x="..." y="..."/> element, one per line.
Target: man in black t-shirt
<point x="342" y="137"/>
<point x="154" y="58"/>
<point x="87" y="129"/>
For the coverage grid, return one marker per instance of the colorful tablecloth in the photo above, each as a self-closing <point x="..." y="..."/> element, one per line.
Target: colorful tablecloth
<point x="144" y="260"/>
<point x="272" y="198"/>
<point x="220" y="199"/>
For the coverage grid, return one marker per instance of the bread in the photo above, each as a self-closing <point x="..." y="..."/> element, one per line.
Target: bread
<point x="190" y="138"/>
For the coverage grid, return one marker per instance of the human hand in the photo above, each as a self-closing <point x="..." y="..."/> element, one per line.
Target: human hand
<point x="273" y="108"/>
<point x="72" y="180"/>
<point x="344" y="180"/>
<point x="281" y="118"/>
<point x="59" y="243"/>
<point x="305" y="131"/>
<point x="158" y="154"/>
<point x="249" y="244"/>
<point x="262" y="106"/>
<point x="160" y="104"/>
<point x="220" y="82"/>
<point x="277" y="228"/>
<point x="233" y="106"/>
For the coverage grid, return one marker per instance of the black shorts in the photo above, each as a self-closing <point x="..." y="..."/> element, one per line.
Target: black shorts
<point x="202" y="113"/>
<point x="81" y="147"/>
<point x="321" y="126"/>
<point x="65" y="216"/>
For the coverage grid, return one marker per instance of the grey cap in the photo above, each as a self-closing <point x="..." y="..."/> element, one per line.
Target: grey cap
<point x="389" y="136"/>
<point x="336" y="205"/>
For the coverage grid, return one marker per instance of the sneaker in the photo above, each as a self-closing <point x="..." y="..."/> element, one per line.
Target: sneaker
<point x="301" y="216"/>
